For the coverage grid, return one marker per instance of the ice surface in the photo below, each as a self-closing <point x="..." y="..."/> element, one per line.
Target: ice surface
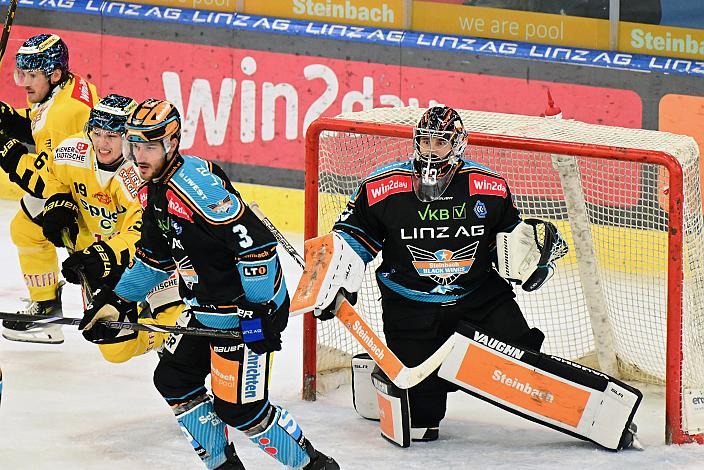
<point x="64" y="407"/>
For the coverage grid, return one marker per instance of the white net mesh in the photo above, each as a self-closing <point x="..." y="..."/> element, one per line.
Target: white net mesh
<point x="626" y="208"/>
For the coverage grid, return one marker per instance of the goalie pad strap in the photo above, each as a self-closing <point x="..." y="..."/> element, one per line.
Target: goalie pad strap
<point x="394" y="410"/>
<point x="545" y="389"/>
<point x="331" y="265"/>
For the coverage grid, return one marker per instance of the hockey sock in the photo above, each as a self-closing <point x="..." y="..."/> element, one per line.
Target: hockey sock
<point x="202" y="427"/>
<point x="279" y="435"/>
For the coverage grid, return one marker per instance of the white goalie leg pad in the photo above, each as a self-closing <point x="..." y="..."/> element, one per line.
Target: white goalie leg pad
<point x="331" y="265"/>
<point x="363" y="391"/>
<point x="394" y="410"/>
<point x="545" y="389"/>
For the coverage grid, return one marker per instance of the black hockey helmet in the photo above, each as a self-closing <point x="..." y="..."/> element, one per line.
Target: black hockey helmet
<point x="45" y="52"/>
<point x="439" y="141"/>
<point x="111" y="113"/>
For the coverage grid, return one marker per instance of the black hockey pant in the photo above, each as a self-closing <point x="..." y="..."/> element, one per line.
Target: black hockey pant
<point x="239" y="378"/>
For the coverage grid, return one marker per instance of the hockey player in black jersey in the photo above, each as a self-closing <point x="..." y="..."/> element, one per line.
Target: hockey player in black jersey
<point x="195" y="222"/>
<point x="437" y="219"/>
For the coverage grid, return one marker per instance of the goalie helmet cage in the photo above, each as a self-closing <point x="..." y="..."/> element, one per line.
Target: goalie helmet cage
<point x="627" y="299"/>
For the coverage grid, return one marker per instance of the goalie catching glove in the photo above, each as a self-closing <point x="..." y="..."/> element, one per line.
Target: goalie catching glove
<point x="527" y="254"/>
<point x="332" y="267"/>
<point x="107" y="306"/>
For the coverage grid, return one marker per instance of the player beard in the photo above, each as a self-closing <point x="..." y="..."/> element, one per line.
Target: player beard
<point x="151" y="170"/>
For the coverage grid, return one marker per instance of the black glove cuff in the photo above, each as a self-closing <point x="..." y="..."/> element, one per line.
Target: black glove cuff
<point x="15" y="124"/>
<point x="11" y="151"/>
<point x="105" y="295"/>
<point x="61" y="202"/>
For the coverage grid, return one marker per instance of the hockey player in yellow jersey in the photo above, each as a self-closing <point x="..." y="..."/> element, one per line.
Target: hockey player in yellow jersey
<point x="92" y="197"/>
<point x="59" y="104"/>
<point x="93" y="206"/>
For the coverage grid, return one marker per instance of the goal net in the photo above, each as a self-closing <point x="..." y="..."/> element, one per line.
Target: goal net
<point x="627" y="300"/>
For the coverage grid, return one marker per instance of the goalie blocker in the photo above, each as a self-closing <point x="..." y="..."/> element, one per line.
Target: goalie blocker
<point x="548" y="390"/>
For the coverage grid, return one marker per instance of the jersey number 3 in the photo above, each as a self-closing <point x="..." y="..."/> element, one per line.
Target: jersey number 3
<point x="245" y="240"/>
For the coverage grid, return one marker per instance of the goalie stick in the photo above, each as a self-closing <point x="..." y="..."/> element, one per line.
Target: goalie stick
<point x="177" y="330"/>
<point x="7" y="26"/>
<point x="402" y="376"/>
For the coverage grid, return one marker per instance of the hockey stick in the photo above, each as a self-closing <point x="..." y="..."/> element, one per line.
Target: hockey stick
<point x="7" y="26"/>
<point x="177" y="330"/>
<point x="401" y="375"/>
<point x="71" y="248"/>
<point x="278" y="235"/>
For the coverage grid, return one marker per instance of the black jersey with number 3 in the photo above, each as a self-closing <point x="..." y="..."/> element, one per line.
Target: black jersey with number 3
<point x="437" y="251"/>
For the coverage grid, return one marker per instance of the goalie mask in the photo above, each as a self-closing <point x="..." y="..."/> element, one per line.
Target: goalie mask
<point x="439" y="141"/>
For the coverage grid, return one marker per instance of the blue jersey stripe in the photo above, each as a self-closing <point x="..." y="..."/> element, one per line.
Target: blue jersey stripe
<point x="138" y="280"/>
<point x="417" y="295"/>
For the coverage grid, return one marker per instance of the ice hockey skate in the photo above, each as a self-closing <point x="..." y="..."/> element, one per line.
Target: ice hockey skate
<point x="318" y="460"/>
<point x="29" y="333"/>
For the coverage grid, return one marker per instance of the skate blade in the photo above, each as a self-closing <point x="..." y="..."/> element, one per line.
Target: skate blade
<point x="29" y="338"/>
<point x="637" y="445"/>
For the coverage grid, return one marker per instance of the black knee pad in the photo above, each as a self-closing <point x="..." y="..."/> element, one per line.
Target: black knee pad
<point x="175" y="386"/>
<point x="241" y="415"/>
<point x="162" y="381"/>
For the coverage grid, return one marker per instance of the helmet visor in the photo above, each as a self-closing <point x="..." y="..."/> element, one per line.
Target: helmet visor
<point x="131" y="148"/>
<point x="27" y="77"/>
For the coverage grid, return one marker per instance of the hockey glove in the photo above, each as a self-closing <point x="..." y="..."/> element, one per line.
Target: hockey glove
<point x="60" y="213"/>
<point x="15" y="124"/>
<point x="98" y="264"/>
<point x="11" y="150"/>
<point x="328" y="313"/>
<point x="262" y="325"/>
<point x="107" y="306"/>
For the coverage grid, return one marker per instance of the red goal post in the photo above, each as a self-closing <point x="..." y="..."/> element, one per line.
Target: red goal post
<point x="628" y="188"/>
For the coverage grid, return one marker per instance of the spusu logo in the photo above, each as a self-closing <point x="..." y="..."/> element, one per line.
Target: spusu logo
<point x="379" y="190"/>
